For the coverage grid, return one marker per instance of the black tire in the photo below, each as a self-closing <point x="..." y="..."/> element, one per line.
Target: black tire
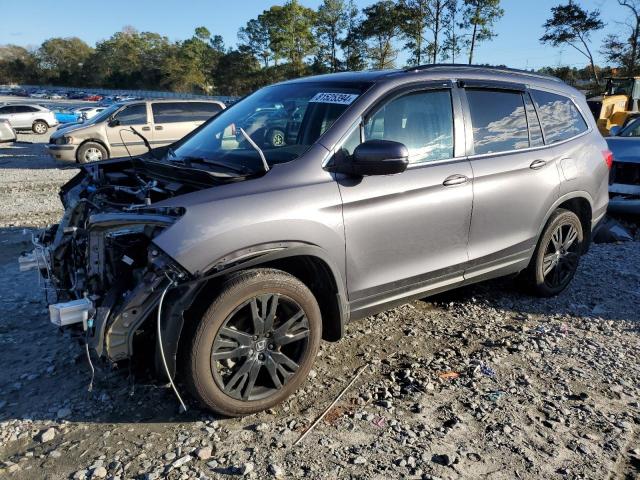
<point x="276" y="138"/>
<point x="296" y="313"/>
<point x="39" y="127"/>
<point x="557" y="255"/>
<point x="91" y="152"/>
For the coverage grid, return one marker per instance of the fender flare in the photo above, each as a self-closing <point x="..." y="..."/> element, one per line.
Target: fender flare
<point x="559" y="201"/>
<point x="41" y="120"/>
<point x="184" y="294"/>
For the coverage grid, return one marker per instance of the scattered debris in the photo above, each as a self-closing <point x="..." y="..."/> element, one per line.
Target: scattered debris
<point x="611" y="230"/>
<point x="48" y="435"/>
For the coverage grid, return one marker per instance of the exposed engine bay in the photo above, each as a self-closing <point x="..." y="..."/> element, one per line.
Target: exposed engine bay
<point x="100" y="260"/>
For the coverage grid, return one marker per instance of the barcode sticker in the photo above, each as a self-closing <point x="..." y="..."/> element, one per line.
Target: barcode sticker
<point x="339" y="98"/>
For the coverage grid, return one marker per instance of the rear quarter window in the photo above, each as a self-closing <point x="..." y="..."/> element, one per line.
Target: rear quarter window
<point x="559" y="116"/>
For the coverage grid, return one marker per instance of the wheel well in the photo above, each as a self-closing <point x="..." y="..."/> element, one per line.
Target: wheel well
<point x="310" y="270"/>
<point x="317" y="276"/>
<point x="99" y="142"/>
<point x="41" y="120"/>
<point x="581" y="207"/>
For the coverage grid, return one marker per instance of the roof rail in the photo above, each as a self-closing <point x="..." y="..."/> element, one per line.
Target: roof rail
<point x="436" y="66"/>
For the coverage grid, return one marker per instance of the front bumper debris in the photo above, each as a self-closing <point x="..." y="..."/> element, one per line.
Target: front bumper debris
<point x="69" y="313"/>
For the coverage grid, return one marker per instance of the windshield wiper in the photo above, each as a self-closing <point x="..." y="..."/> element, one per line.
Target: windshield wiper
<point x="201" y="160"/>
<point x="257" y="148"/>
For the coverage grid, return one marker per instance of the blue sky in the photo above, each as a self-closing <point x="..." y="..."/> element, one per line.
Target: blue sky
<point x="29" y="23"/>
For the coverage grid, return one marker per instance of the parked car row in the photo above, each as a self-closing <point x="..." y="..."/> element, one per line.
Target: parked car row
<point x="96" y="133"/>
<point x="46" y="94"/>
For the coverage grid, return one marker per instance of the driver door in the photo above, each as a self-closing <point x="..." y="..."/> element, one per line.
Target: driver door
<point x="122" y="141"/>
<point x="407" y="233"/>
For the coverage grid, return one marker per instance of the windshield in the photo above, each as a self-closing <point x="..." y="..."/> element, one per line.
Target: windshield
<point x="619" y="86"/>
<point x="282" y="121"/>
<point x="103" y="115"/>
<point x="631" y="130"/>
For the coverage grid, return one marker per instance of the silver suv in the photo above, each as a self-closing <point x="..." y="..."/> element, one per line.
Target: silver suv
<point x="29" y="117"/>
<point x="233" y="256"/>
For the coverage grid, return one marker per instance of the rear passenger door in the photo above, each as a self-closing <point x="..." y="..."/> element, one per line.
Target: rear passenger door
<point x="174" y="120"/>
<point x="22" y="116"/>
<point x="515" y="178"/>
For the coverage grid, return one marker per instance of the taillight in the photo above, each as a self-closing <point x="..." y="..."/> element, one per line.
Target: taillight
<point x="607" y="155"/>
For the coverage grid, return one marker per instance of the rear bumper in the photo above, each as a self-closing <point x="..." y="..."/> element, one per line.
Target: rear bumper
<point x="65" y="153"/>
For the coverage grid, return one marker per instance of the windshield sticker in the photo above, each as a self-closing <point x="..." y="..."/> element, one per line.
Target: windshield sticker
<point x="339" y="98"/>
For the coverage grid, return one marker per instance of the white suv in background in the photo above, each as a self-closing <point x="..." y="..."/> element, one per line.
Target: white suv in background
<point x="29" y="117"/>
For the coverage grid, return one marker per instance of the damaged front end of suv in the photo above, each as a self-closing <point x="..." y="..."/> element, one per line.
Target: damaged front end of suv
<point x="102" y="263"/>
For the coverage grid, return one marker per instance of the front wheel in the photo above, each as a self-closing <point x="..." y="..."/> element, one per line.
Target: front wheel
<point x="557" y="255"/>
<point x="91" y="152"/>
<point x="255" y="344"/>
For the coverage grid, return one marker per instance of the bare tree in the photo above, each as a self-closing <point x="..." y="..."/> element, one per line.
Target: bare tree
<point x="572" y="25"/>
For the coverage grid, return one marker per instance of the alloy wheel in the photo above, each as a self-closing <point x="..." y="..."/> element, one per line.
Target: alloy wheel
<point x="561" y="255"/>
<point x="260" y="347"/>
<point x="92" y="155"/>
<point x="277" y="140"/>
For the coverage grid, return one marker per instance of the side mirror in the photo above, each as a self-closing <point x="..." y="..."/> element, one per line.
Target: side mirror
<point x="114" y="122"/>
<point x="615" y="130"/>
<point x="376" y="157"/>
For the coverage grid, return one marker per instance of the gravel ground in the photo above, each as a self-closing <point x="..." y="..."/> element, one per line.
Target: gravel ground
<point x="482" y="382"/>
<point x="30" y="181"/>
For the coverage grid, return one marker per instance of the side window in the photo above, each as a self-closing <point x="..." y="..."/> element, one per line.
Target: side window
<point x="5" y="110"/>
<point x="22" y="109"/>
<point x="133" y="115"/>
<point x="559" y="116"/>
<point x="535" y="132"/>
<point x="169" y="112"/>
<point x="422" y="121"/>
<point x="499" y="121"/>
<point x="201" y="111"/>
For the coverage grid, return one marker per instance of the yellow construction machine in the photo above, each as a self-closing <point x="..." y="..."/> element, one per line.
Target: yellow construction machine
<point x="618" y="104"/>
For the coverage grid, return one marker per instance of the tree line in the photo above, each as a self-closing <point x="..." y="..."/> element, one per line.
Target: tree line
<point x="572" y="25"/>
<point x="291" y="40"/>
<point x="282" y="42"/>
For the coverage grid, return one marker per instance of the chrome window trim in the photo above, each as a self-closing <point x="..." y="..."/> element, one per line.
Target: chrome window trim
<point x="528" y="149"/>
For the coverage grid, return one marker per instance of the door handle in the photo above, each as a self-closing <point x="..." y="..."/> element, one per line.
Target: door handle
<point x="146" y="129"/>
<point x="536" y="164"/>
<point x="158" y="127"/>
<point x="456" y="179"/>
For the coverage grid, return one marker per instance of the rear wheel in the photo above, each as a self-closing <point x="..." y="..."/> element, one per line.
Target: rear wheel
<point x="557" y="255"/>
<point x="91" y="152"/>
<point x="255" y="344"/>
<point x="40" y="127"/>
